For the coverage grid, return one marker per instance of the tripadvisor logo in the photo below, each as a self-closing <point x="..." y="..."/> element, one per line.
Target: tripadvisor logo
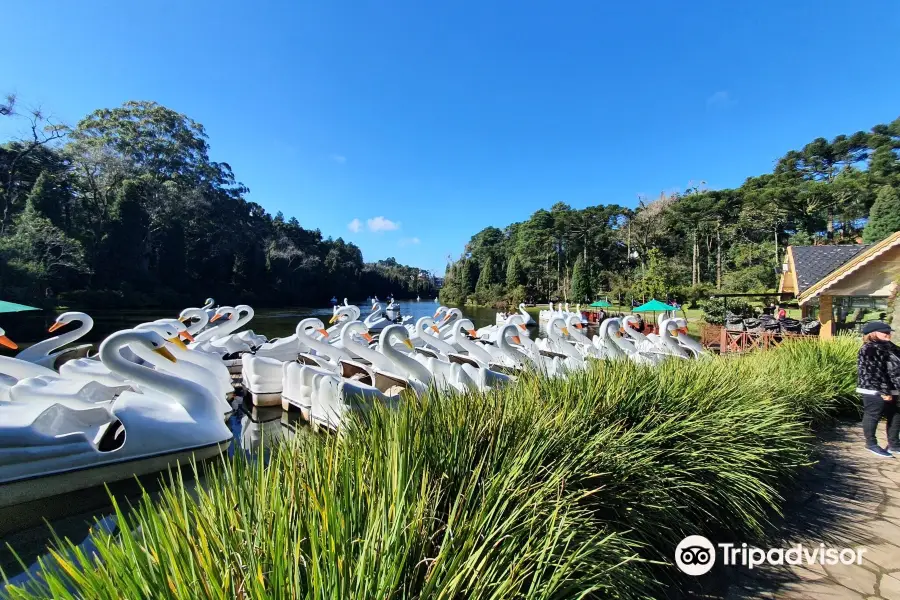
<point x="696" y="555"/>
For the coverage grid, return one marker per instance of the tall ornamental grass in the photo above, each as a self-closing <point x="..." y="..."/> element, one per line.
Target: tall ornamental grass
<point x="575" y="488"/>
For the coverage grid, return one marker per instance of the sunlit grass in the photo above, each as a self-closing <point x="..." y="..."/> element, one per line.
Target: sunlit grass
<point x="547" y="489"/>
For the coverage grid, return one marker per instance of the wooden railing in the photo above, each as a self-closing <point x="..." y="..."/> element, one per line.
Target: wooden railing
<point x="716" y="337"/>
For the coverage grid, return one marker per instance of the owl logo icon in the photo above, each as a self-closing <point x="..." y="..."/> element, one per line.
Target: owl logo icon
<point x="695" y="555"/>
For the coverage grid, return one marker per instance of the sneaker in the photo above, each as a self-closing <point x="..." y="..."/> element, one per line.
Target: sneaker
<point x="878" y="450"/>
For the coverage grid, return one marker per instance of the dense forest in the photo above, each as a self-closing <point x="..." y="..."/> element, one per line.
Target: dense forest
<point x="127" y="209"/>
<point x="685" y="245"/>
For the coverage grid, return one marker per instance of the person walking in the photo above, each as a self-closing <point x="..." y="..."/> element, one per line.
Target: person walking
<point x="878" y="372"/>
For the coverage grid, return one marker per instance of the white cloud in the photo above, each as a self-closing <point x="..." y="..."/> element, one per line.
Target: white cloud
<point x="409" y="241"/>
<point x="720" y="99"/>
<point x="355" y="225"/>
<point x="339" y="158"/>
<point x="379" y="224"/>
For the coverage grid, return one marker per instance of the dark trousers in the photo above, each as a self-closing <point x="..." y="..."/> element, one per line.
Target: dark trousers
<point x="873" y="409"/>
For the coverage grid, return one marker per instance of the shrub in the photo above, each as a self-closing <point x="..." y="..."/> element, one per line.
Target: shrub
<point x="578" y="487"/>
<point x="714" y="309"/>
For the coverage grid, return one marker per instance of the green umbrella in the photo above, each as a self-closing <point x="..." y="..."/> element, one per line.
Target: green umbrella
<point x="601" y="304"/>
<point x="654" y="306"/>
<point x="6" y="307"/>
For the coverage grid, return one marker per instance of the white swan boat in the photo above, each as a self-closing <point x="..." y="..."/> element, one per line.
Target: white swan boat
<point x="50" y="447"/>
<point x="47" y="352"/>
<point x="393" y="310"/>
<point x="263" y="374"/>
<point x="501" y="317"/>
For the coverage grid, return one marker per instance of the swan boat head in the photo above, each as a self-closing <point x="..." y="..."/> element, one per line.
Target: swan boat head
<point x="195" y="319"/>
<point x="6" y="342"/>
<point x="345" y="313"/>
<point x="72" y="317"/>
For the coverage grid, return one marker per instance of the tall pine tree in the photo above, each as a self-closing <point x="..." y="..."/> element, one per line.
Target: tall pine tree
<point x="469" y="277"/>
<point x="125" y="258"/>
<point x="884" y="218"/>
<point x="46" y="200"/>
<point x="485" y="278"/>
<point x="515" y="276"/>
<point x="581" y="282"/>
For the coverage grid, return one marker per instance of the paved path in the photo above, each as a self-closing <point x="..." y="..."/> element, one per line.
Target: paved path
<point x="851" y="498"/>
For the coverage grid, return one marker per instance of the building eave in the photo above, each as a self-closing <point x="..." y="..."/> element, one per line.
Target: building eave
<point x="848" y="268"/>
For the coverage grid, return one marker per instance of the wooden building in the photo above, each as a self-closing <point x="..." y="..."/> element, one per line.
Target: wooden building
<point x="843" y="286"/>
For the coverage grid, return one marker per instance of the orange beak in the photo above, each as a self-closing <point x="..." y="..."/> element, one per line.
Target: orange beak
<point x="5" y="341"/>
<point x="187" y="336"/>
<point x="323" y="332"/>
<point x="55" y="326"/>
<point x="183" y="319"/>
<point x="368" y="338"/>
<point x="579" y="326"/>
<point x="215" y="318"/>
<point x="435" y="329"/>
<point x="436" y="313"/>
<point x="516" y="340"/>
<point x="473" y="333"/>
<point x="682" y="330"/>
<point x="522" y="326"/>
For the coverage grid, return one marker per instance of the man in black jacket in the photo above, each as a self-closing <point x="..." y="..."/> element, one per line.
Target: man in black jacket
<point x="878" y="369"/>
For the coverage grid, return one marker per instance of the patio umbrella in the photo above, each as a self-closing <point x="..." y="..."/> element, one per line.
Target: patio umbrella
<point x="654" y="306"/>
<point x="600" y="304"/>
<point x="6" y="307"/>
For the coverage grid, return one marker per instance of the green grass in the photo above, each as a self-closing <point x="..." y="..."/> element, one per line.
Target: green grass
<point x="575" y="488"/>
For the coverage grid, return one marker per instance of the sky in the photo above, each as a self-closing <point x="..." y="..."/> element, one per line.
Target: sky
<point x="407" y="126"/>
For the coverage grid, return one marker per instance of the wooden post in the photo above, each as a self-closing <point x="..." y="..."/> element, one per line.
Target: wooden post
<point x="826" y="317"/>
<point x="723" y="341"/>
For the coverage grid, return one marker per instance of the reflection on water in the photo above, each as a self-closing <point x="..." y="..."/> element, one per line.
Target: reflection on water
<point x="260" y="427"/>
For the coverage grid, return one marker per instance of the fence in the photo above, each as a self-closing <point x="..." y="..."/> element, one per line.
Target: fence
<point x="716" y="337"/>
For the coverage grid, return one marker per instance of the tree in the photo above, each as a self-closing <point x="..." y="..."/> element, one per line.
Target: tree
<point x="515" y="276"/>
<point x="39" y="255"/>
<point x="884" y="218"/>
<point x="654" y="283"/>
<point x="124" y="256"/>
<point x="581" y="282"/>
<point x="485" y="278"/>
<point x="8" y="105"/>
<point x="44" y="133"/>
<point x="47" y="199"/>
<point x="486" y="244"/>
<point x="468" y="277"/>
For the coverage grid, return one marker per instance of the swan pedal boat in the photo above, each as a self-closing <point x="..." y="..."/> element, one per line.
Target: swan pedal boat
<point x="51" y="446"/>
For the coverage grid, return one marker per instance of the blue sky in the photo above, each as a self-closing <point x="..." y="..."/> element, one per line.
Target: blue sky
<point x="407" y="126"/>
